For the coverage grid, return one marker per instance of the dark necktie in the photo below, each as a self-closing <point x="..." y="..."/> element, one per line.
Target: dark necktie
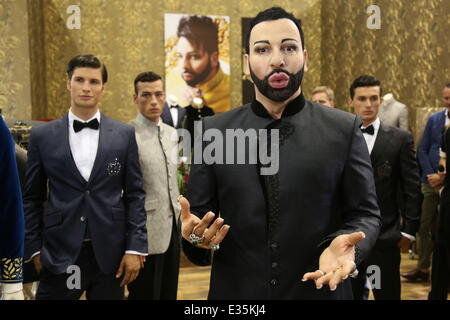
<point x="78" y="125"/>
<point x="173" y="106"/>
<point x="369" y="130"/>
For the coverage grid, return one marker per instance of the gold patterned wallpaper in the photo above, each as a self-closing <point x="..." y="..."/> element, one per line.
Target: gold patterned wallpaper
<point x="15" y="100"/>
<point x="410" y="54"/>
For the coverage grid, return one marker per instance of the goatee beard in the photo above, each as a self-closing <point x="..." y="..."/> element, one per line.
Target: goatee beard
<point x="199" y="77"/>
<point x="278" y="94"/>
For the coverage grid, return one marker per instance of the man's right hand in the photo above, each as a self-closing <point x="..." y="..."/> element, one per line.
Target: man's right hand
<point x="190" y="223"/>
<point x="435" y="180"/>
<point x="37" y="263"/>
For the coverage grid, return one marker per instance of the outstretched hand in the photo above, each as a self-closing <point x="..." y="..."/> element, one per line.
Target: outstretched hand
<point x="190" y="223"/>
<point x="336" y="262"/>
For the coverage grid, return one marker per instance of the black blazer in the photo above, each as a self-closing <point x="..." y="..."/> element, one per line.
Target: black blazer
<point x="325" y="188"/>
<point x="397" y="179"/>
<point x="110" y="204"/>
<point x="166" y="116"/>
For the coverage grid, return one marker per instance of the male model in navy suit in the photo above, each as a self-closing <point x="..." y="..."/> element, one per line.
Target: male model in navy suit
<point x="86" y="165"/>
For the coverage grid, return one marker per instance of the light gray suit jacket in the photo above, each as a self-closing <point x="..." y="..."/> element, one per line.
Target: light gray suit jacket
<point x="394" y="114"/>
<point x="158" y="156"/>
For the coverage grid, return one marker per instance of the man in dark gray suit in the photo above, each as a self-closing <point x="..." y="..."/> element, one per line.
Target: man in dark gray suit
<point x="87" y="166"/>
<point x="317" y="211"/>
<point x="397" y="178"/>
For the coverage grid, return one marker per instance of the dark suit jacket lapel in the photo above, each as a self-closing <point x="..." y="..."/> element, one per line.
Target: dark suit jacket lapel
<point x="62" y="130"/>
<point x="104" y="143"/>
<point x="381" y="143"/>
<point x="181" y="114"/>
<point x="166" y="115"/>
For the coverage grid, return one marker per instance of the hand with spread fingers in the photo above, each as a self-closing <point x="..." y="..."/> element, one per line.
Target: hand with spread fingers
<point x="336" y="262"/>
<point x="200" y="232"/>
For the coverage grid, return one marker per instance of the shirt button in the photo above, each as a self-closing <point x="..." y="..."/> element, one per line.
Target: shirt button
<point x="273" y="282"/>
<point x="274" y="245"/>
<point x="83" y="218"/>
<point x="274" y="264"/>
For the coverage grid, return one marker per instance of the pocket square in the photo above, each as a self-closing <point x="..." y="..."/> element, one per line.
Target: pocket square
<point x="385" y="170"/>
<point x="113" y="168"/>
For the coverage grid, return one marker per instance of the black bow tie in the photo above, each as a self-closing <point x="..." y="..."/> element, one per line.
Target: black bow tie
<point x="369" y="130"/>
<point x="78" y="125"/>
<point x="175" y="106"/>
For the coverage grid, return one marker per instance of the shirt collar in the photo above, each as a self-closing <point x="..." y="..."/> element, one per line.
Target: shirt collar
<point x="291" y="108"/>
<point x="146" y="122"/>
<point x="72" y="117"/>
<point x="376" y="124"/>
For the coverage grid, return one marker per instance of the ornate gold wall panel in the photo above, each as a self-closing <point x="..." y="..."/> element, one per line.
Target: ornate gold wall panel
<point x="15" y="94"/>
<point x="410" y="54"/>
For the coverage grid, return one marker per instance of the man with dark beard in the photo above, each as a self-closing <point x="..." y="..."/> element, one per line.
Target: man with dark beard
<point x="315" y="218"/>
<point x="198" y="54"/>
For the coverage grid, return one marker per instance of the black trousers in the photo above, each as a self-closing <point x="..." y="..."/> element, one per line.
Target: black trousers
<point x="159" y="278"/>
<point x="388" y="261"/>
<point x="98" y="286"/>
<point x="440" y="269"/>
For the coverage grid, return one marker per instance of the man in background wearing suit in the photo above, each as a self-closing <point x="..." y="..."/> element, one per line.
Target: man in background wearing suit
<point x="428" y="156"/>
<point x="394" y="163"/>
<point x="172" y="113"/>
<point x="87" y="166"/>
<point x="158" y="151"/>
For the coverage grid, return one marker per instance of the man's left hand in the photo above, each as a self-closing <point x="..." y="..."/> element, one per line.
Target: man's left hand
<point x="130" y="264"/>
<point x="404" y="244"/>
<point x="336" y="262"/>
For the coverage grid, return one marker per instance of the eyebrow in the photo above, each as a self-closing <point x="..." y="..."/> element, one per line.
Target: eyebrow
<point x="267" y="41"/>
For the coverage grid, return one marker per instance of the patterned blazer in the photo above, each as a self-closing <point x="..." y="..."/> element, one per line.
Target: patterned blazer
<point x="158" y="155"/>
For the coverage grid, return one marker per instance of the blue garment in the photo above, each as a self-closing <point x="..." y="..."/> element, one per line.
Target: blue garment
<point x="428" y="150"/>
<point x="11" y="211"/>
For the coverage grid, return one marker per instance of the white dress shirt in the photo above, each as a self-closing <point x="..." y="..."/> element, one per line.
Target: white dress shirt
<point x="370" y="138"/>
<point x="84" y="145"/>
<point x="174" y="114"/>
<point x="370" y="141"/>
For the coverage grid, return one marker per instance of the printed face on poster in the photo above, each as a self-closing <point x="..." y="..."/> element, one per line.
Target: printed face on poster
<point x="198" y="59"/>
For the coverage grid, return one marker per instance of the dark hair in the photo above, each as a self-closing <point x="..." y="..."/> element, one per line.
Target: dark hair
<point x="447" y="85"/>
<point x="145" y="77"/>
<point x="201" y="31"/>
<point x="86" y="61"/>
<point x="274" y="13"/>
<point x="364" y="81"/>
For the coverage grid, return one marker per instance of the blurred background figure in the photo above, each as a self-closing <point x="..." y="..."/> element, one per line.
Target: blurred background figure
<point x="393" y="113"/>
<point x="323" y="95"/>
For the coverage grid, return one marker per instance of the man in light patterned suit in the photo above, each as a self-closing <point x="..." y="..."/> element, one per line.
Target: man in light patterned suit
<point x="158" y="145"/>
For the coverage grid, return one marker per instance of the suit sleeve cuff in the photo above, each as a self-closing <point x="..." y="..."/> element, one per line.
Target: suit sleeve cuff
<point x="136" y="253"/>
<point x="410" y="237"/>
<point x="33" y="255"/>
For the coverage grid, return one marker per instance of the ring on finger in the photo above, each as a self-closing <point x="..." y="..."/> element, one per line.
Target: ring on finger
<point x="321" y="272"/>
<point x="195" y="239"/>
<point x="214" y="246"/>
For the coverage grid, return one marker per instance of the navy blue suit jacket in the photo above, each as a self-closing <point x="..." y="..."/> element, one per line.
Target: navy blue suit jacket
<point x="428" y="150"/>
<point x="110" y="204"/>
